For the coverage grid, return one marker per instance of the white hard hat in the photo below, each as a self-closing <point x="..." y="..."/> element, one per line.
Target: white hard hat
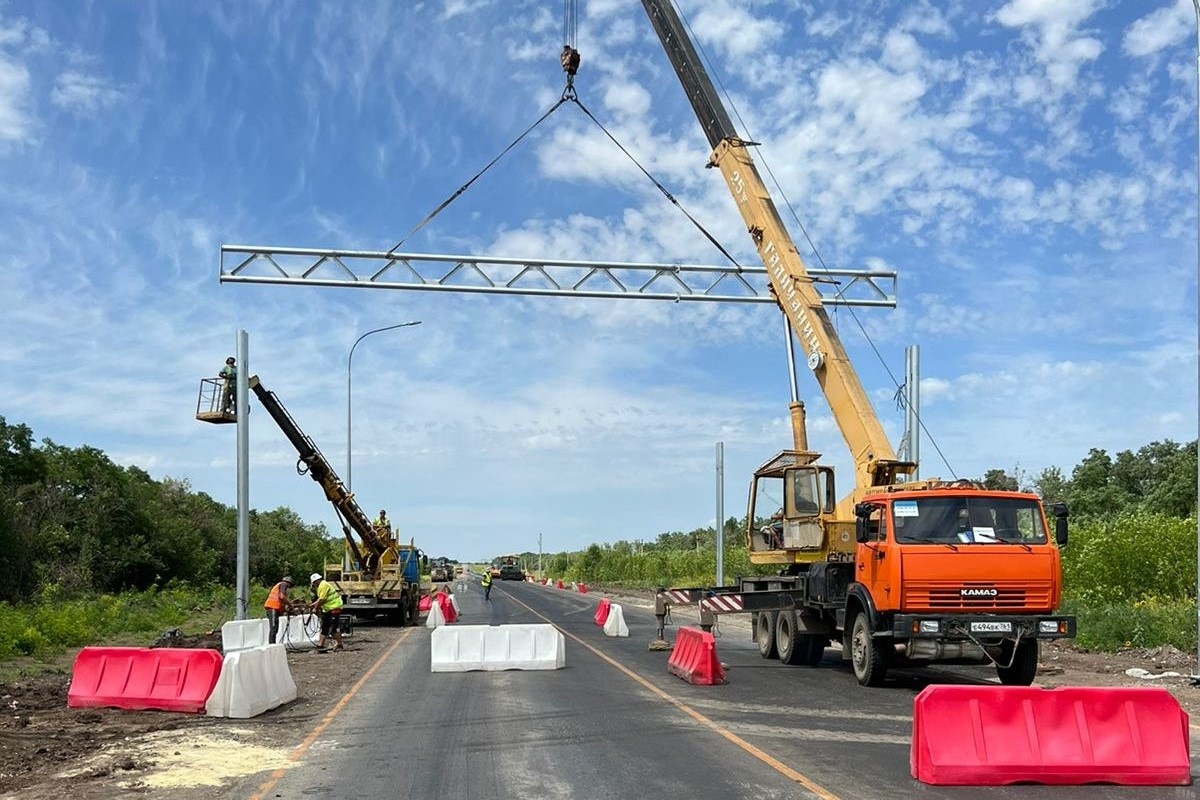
<point x="316" y="576"/>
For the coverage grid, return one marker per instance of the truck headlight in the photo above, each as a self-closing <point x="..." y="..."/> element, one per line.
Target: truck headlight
<point x="930" y="626"/>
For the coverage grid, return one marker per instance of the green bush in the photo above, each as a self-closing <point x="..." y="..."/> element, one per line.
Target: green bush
<point x="1130" y="557"/>
<point x="1149" y="622"/>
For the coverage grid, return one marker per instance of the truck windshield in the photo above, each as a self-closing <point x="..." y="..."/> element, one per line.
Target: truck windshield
<point x="968" y="520"/>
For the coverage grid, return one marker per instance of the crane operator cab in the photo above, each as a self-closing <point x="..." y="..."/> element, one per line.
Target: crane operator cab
<point x="797" y="494"/>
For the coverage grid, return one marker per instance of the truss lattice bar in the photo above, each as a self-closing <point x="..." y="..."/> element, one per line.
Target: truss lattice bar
<point x="526" y="276"/>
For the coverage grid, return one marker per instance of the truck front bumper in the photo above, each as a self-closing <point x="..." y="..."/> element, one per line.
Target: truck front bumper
<point x="982" y="627"/>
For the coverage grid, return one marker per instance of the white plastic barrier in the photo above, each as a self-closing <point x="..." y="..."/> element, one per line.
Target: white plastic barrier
<point x="299" y="632"/>
<point x="436" y="618"/>
<point x="242" y="634"/>
<point x="252" y="681"/>
<point x="454" y="602"/>
<point x="463" y="648"/>
<point x="615" y="624"/>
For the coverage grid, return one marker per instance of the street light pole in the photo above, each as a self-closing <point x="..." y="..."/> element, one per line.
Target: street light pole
<point x="349" y="407"/>
<point x="1196" y="4"/>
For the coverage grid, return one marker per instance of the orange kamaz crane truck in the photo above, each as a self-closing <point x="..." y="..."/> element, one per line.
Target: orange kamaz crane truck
<point x="899" y="571"/>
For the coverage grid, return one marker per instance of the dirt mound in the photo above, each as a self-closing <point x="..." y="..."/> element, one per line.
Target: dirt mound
<point x="177" y="638"/>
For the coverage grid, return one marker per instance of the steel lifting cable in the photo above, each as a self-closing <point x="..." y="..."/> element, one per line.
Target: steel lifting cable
<point x="655" y="181"/>
<point x="476" y="177"/>
<point x="570" y="55"/>
<point x="570" y="59"/>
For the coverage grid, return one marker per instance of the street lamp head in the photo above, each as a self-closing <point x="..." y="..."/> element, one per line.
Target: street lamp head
<point x="349" y="365"/>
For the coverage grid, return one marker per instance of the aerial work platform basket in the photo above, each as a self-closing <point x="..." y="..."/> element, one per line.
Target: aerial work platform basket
<point x="216" y="401"/>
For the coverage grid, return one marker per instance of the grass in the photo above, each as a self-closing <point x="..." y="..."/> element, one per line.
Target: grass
<point x="35" y="636"/>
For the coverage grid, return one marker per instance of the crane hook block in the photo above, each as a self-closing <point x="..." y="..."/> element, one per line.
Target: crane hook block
<point x="570" y="60"/>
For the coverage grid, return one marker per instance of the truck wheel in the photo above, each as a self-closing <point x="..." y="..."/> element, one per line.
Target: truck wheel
<point x="815" y="650"/>
<point x="791" y="647"/>
<point x="869" y="667"/>
<point x="766" y="634"/>
<point x="1024" y="666"/>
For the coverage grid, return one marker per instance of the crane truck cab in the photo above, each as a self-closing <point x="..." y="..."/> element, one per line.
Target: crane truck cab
<point x="954" y="573"/>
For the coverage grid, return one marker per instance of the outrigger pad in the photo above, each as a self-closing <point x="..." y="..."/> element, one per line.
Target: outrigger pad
<point x="997" y="735"/>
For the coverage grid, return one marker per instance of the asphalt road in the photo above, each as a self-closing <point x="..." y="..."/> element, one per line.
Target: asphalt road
<point x="615" y="724"/>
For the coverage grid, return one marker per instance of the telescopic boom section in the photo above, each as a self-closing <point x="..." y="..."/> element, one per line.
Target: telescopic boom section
<point x="874" y="459"/>
<point x="318" y="467"/>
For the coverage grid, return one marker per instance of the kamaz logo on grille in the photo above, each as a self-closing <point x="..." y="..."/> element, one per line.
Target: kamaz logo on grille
<point x="977" y="591"/>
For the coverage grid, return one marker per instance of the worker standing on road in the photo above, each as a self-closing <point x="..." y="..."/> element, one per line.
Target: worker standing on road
<point x="327" y="601"/>
<point x="486" y="583"/>
<point x="277" y="603"/>
<point x="229" y="392"/>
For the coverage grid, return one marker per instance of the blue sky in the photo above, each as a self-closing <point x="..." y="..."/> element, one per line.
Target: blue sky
<point x="1028" y="167"/>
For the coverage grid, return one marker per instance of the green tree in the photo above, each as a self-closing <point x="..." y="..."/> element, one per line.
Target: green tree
<point x="1052" y="485"/>
<point x="999" y="479"/>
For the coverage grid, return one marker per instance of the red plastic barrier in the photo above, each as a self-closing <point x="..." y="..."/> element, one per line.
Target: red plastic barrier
<point x="695" y="658"/>
<point x="424" y="604"/>
<point x="559" y="584"/>
<point x="582" y="588"/>
<point x="447" y="607"/>
<point x="163" y="678"/>
<point x="995" y="735"/>
<point x="601" y="615"/>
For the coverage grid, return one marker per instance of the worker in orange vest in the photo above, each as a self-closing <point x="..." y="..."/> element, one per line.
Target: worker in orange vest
<point x="277" y="603"/>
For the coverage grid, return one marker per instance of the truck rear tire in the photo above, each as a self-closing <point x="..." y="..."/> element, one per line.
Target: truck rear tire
<point x="815" y="650"/>
<point x="765" y="633"/>
<point x="791" y="646"/>
<point x="1024" y="665"/>
<point x="865" y="656"/>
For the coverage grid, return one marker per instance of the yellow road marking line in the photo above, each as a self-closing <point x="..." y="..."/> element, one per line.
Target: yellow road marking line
<point x="727" y="734"/>
<point x="302" y="748"/>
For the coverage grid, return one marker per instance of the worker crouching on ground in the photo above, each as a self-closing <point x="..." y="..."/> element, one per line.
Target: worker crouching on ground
<point x="327" y="601"/>
<point x="277" y="604"/>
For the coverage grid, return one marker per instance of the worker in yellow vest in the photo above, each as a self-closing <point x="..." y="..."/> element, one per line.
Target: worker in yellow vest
<point x="383" y="526"/>
<point x="327" y="601"/>
<point x="486" y="583"/>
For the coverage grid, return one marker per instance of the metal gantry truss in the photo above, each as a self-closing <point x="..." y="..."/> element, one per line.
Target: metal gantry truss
<point x="538" y="276"/>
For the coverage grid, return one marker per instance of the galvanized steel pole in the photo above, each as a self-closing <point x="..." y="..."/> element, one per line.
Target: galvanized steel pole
<point x="1196" y="671"/>
<point x="720" y="513"/>
<point x="243" y="477"/>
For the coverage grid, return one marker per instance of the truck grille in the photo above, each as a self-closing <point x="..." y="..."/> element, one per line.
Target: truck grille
<point x="947" y="596"/>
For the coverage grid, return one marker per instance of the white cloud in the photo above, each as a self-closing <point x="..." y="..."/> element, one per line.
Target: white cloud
<point x="15" y="123"/>
<point x="84" y="94"/>
<point x="1159" y="29"/>
<point x="1059" y="46"/>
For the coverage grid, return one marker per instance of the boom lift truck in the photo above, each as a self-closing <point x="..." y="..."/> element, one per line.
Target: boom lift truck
<point x="378" y="576"/>
<point x="900" y="572"/>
